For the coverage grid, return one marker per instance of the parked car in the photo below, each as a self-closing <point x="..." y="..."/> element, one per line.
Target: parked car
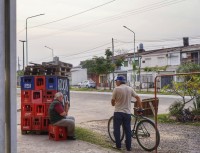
<point x="87" y="84"/>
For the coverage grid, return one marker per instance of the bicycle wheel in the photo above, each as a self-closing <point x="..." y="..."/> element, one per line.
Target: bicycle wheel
<point x="147" y="135"/>
<point x="111" y="130"/>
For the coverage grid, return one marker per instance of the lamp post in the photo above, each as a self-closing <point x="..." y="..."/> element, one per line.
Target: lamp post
<point x="50" y="49"/>
<point x="23" y="41"/>
<point x="27" y="36"/>
<point x="133" y="52"/>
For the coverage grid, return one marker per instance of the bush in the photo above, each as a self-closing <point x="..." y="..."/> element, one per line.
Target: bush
<point x="176" y="108"/>
<point x="196" y="111"/>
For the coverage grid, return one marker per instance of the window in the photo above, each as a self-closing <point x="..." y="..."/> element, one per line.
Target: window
<point x="161" y="61"/>
<point x="125" y="63"/>
<point x="148" y="62"/>
<point x="102" y="79"/>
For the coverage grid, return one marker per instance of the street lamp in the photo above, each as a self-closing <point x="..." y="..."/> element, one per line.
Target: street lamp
<point x="50" y="49"/>
<point x="23" y="41"/>
<point x="27" y="36"/>
<point x="133" y="51"/>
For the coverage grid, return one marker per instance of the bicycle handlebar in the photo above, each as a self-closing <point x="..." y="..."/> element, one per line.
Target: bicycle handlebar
<point x="133" y="101"/>
<point x="139" y="110"/>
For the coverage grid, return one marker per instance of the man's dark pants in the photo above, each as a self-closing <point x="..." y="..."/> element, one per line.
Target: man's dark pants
<point x="125" y="120"/>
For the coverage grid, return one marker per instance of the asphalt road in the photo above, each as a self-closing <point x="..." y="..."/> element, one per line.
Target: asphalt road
<point x="89" y="106"/>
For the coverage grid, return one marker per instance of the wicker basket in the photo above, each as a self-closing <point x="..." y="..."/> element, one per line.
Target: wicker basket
<point x="149" y="105"/>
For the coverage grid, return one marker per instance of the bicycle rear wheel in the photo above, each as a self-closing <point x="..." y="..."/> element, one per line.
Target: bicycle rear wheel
<point x="111" y="130"/>
<point x="147" y="135"/>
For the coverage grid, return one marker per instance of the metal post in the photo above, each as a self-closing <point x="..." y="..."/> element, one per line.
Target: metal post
<point x="10" y="76"/>
<point x="113" y="61"/>
<point x="50" y="49"/>
<point x="23" y="41"/>
<point x="139" y="71"/>
<point x="2" y="76"/>
<point x="27" y="36"/>
<point x="133" y="54"/>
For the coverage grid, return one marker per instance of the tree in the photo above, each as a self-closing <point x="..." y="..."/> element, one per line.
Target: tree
<point x="99" y="65"/>
<point x="187" y="86"/>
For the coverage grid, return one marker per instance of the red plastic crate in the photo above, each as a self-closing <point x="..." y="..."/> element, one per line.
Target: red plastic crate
<point x="26" y="110"/>
<point x="57" y="133"/>
<point x="36" y="123"/>
<point x="40" y="82"/>
<point x="39" y="109"/>
<point x="36" y="96"/>
<point x="26" y="123"/>
<point x="26" y="96"/>
<point x="46" y="113"/>
<point x="48" y="95"/>
<point x="45" y="123"/>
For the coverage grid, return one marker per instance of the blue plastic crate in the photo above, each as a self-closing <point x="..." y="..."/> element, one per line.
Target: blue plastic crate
<point x="27" y="83"/>
<point x="51" y="83"/>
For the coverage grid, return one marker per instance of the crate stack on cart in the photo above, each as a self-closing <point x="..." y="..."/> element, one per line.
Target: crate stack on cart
<point x="37" y="93"/>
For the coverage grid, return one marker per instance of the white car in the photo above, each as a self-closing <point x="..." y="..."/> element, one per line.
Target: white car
<point x="87" y="84"/>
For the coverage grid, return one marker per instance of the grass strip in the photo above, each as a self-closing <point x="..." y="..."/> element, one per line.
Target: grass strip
<point x="92" y="137"/>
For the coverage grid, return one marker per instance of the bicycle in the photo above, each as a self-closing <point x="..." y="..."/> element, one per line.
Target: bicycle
<point x="142" y="128"/>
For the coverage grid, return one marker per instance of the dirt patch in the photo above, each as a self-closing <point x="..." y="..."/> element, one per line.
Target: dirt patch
<point x="173" y="138"/>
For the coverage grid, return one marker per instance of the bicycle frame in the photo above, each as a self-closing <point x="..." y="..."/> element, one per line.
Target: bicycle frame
<point x="138" y="118"/>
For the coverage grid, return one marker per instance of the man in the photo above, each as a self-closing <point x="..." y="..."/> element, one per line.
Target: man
<point x="121" y="99"/>
<point x="59" y="116"/>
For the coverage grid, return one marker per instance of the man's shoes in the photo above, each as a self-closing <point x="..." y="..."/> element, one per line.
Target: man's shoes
<point x="71" y="138"/>
<point x="114" y="147"/>
<point x="130" y="149"/>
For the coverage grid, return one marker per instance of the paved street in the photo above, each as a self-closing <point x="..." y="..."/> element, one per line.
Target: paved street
<point x="88" y="106"/>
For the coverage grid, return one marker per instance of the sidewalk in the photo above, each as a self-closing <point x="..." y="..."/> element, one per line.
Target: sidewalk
<point x="31" y="143"/>
<point x="41" y="144"/>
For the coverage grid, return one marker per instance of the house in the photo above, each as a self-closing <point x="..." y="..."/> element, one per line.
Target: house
<point x="78" y="75"/>
<point x="159" y="61"/>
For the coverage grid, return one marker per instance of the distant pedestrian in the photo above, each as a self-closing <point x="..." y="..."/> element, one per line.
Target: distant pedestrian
<point x="121" y="99"/>
<point x="59" y="115"/>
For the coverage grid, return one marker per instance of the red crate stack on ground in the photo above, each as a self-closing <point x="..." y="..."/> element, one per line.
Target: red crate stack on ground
<point x="57" y="133"/>
<point x="37" y="93"/>
<point x="34" y="110"/>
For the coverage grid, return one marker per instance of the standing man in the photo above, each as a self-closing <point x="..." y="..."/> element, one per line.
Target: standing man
<point x="121" y="99"/>
<point x="59" y="115"/>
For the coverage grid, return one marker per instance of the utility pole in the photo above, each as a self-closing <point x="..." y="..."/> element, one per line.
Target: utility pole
<point x="18" y="64"/>
<point x="23" y="41"/>
<point x="113" y="60"/>
<point x="27" y="36"/>
<point x="133" y="54"/>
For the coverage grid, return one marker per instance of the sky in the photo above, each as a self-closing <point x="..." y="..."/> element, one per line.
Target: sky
<point x="78" y="30"/>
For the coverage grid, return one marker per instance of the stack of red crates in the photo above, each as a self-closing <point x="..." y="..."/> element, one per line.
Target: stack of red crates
<point x="36" y="96"/>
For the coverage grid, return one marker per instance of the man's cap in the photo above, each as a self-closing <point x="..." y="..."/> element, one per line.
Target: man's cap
<point x="121" y="79"/>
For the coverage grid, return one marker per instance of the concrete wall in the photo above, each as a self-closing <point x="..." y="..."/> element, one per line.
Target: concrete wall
<point x="154" y="60"/>
<point x="78" y="76"/>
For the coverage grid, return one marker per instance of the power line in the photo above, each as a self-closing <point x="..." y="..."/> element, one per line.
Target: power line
<point x="82" y="52"/>
<point x="143" y="9"/>
<point x="87" y="51"/>
<point x="158" y="40"/>
<point x="74" y="14"/>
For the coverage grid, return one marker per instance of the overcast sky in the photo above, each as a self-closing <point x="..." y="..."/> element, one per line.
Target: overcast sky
<point x="77" y="30"/>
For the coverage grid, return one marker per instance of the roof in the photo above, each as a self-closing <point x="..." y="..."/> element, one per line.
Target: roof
<point x="164" y="50"/>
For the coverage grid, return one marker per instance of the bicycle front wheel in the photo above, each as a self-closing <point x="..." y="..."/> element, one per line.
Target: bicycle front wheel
<point x="111" y="130"/>
<point x="147" y="135"/>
